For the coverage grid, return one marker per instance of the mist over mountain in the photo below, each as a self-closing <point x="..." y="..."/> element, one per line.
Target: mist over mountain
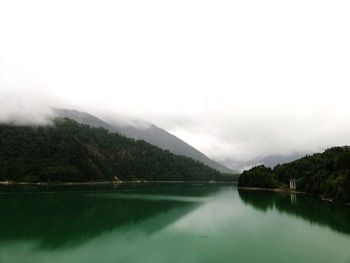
<point x="268" y="161"/>
<point x="241" y="95"/>
<point x="147" y="132"/>
<point x="84" y="118"/>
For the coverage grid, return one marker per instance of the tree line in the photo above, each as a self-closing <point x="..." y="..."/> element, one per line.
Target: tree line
<point x="326" y="174"/>
<point x="71" y="152"/>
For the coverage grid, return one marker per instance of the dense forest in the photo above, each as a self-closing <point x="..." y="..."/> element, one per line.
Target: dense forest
<point x="71" y="152"/>
<point x="326" y="174"/>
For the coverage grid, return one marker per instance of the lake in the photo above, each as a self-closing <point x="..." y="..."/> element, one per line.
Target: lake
<point x="168" y="222"/>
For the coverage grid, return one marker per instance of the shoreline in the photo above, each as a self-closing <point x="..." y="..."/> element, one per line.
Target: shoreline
<point x="105" y="182"/>
<point x="281" y="190"/>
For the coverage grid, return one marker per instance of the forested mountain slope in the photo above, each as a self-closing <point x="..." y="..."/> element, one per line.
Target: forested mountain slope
<point x="326" y="174"/>
<point x="150" y="133"/>
<point x="71" y="152"/>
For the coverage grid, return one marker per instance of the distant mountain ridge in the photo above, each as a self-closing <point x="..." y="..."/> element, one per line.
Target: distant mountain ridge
<point x="269" y="161"/>
<point x="151" y="134"/>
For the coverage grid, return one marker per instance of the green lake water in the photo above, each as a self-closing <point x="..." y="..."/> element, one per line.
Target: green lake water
<point x="168" y="222"/>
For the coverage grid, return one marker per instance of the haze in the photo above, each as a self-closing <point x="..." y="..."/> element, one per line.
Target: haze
<point x="235" y="79"/>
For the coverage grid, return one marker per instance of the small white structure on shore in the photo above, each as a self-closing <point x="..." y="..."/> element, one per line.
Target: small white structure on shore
<point x="293" y="184"/>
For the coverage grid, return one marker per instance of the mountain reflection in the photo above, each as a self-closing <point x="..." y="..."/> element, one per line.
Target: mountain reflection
<point x="185" y="223"/>
<point x="309" y="208"/>
<point x="72" y="217"/>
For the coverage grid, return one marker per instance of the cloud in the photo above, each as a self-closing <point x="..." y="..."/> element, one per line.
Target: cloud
<point x="233" y="78"/>
<point x="23" y="102"/>
<point x="261" y="132"/>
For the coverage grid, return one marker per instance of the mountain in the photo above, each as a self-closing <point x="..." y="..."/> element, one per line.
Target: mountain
<point x="269" y="161"/>
<point x="326" y="174"/>
<point x="167" y="141"/>
<point x="83" y="118"/>
<point x="149" y="133"/>
<point x="273" y="160"/>
<point x="71" y="152"/>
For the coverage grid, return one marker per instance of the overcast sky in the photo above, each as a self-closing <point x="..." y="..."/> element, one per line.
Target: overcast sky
<point x="235" y="79"/>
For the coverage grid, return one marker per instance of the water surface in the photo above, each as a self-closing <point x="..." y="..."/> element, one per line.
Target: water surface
<point x="172" y="222"/>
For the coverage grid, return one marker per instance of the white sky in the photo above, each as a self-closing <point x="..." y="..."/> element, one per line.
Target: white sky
<point x="235" y="79"/>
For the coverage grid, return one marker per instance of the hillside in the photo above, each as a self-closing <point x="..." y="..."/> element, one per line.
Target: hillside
<point x="72" y="152"/>
<point x="167" y="141"/>
<point x="151" y="134"/>
<point x="326" y="174"/>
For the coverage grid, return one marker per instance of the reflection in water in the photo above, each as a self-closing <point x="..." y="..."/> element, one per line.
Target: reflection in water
<point x="75" y="217"/>
<point x="166" y="223"/>
<point x="293" y="198"/>
<point x="310" y="208"/>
